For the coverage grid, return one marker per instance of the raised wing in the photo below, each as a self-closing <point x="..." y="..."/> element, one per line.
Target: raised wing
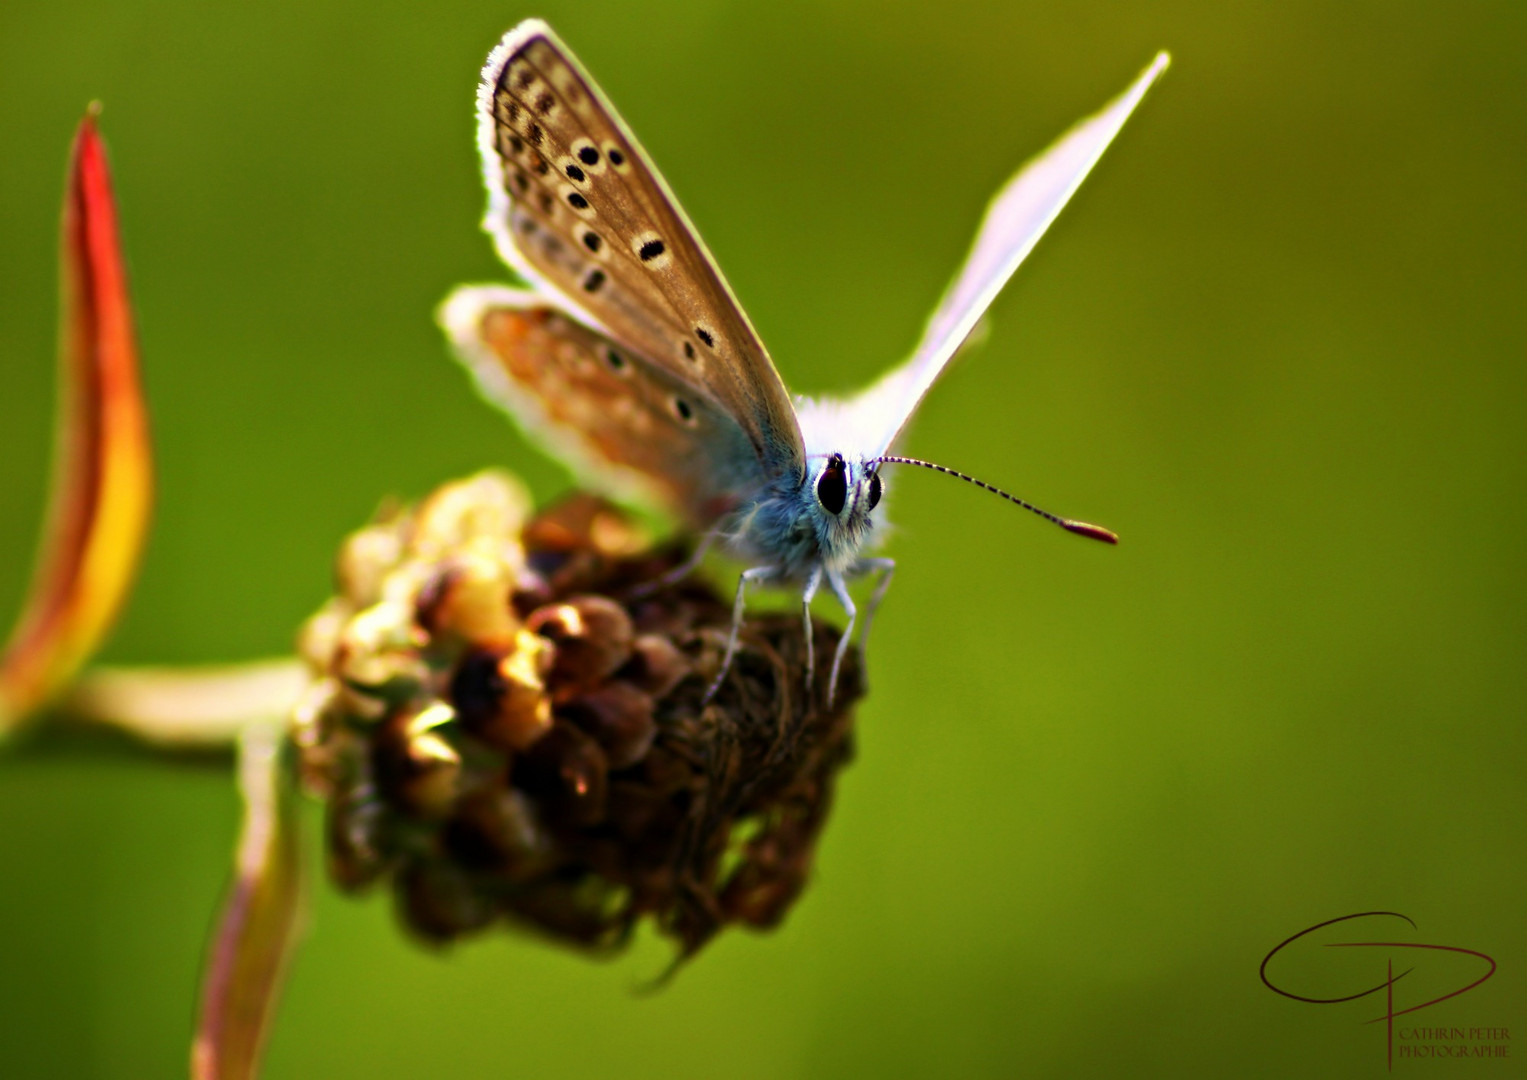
<point x="1014" y="222"/>
<point x="623" y="424"/>
<point x="575" y="206"/>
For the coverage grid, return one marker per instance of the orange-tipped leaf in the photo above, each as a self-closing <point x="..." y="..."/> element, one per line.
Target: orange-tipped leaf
<point x="103" y="472"/>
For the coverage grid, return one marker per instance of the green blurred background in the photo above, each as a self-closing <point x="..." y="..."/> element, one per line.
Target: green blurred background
<point x="1278" y="343"/>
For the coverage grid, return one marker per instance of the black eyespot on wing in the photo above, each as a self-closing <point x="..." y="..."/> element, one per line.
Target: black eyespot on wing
<point x="684" y="410"/>
<point x="832" y="486"/>
<point x="591" y="241"/>
<point x="574" y="173"/>
<point x="704" y="335"/>
<point x="616" y="157"/>
<point x="651" y="250"/>
<point x="689" y="351"/>
<point x="874" y="491"/>
<point x="614" y="359"/>
<point x="577" y="201"/>
<point x="589" y="156"/>
<point x="594" y="281"/>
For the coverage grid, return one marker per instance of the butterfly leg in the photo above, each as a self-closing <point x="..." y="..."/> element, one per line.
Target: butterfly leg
<point x="840" y="590"/>
<point x="807" y="593"/>
<point x="746" y="578"/>
<point x="678" y="573"/>
<point x="885" y="567"/>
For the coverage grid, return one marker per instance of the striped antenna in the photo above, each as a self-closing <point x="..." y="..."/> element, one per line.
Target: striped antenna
<point x="1081" y="528"/>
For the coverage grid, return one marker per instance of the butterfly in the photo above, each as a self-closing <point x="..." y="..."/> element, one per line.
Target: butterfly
<point x="630" y="357"/>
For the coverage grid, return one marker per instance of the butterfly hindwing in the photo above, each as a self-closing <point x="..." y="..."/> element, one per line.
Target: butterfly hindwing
<point x="623" y="423"/>
<point x="577" y="208"/>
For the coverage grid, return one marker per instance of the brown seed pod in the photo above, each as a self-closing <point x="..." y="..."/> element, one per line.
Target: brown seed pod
<point x="592" y="638"/>
<point x="508" y="723"/>
<point x="619" y="717"/>
<point x="500" y="693"/>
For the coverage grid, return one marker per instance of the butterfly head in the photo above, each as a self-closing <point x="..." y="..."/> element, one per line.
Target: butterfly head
<point x="844" y="492"/>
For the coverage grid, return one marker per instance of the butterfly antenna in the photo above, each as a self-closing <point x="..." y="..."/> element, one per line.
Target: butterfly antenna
<point x="1081" y="528"/>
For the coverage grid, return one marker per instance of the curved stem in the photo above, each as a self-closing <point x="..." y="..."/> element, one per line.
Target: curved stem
<point x="186" y="708"/>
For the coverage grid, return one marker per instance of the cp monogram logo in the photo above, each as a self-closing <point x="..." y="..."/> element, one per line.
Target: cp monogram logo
<point x="1409" y="954"/>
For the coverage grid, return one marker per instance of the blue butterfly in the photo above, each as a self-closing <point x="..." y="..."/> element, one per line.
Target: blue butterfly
<point x="631" y="357"/>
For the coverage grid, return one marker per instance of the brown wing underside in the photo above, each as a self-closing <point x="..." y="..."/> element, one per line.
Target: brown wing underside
<point x="592" y="217"/>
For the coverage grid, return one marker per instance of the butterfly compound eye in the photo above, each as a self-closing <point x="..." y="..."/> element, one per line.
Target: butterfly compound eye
<point x="874" y="491"/>
<point x="832" y="486"/>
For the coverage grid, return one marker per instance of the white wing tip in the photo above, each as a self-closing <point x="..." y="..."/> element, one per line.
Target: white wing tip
<point x="521" y="32"/>
<point x="1162" y="61"/>
<point x="1120" y="108"/>
<point x="513" y="41"/>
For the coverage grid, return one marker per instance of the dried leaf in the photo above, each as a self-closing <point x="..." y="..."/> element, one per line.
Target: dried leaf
<point x="260" y="921"/>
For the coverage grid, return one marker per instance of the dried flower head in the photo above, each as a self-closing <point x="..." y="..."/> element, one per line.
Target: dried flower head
<point x="508" y="722"/>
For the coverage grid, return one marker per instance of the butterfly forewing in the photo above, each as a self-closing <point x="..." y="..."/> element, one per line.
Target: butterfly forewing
<point x="622" y="422"/>
<point x="577" y="206"/>
<point x="1018" y="216"/>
